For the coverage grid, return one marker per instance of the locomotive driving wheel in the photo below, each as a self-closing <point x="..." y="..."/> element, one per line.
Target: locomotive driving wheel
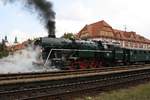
<point x="85" y="64"/>
<point x="95" y="63"/>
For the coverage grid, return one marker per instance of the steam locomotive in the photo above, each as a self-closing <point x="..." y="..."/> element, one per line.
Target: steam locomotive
<point x="81" y="54"/>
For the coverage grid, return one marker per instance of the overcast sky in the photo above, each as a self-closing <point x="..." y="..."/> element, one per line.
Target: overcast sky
<point x="72" y="15"/>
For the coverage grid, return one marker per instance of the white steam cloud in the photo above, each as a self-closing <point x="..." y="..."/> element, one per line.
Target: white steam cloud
<point x="22" y="61"/>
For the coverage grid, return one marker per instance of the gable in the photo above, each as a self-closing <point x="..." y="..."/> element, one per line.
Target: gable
<point x="101" y="28"/>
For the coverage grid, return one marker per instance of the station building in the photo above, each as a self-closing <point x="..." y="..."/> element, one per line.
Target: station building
<point x="102" y="31"/>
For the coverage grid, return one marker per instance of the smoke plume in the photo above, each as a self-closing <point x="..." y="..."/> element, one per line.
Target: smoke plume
<point x="22" y="61"/>
<point x="44" y="11"/>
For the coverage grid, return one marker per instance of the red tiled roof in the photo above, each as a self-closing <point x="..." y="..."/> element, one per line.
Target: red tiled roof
<point x="93" y="30"/>
<point x="16" y="47"/>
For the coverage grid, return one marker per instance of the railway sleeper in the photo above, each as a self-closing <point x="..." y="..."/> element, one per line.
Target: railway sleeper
<point x="107" y="80"/>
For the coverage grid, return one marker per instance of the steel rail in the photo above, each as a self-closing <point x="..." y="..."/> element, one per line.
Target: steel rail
<point x="111" y="79"/>
<point x="17" y="76"/>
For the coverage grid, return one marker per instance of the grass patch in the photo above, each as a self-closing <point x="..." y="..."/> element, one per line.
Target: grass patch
<point x="141" y="92"/>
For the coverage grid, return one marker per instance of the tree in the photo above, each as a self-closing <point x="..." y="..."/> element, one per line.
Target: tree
<point x="3" y="50"/>
<point x="68" y="36"/>
<point x="1" y="47"/>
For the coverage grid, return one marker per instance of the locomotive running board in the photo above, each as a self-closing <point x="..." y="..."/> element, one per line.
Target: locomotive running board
<point x="79" y="50"/>
<point x="71" y="50"/>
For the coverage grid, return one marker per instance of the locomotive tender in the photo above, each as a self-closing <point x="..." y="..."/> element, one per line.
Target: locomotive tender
<point x="82" y="54"/>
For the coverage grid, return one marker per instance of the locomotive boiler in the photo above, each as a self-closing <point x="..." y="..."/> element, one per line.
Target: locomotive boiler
<point x="81" y="54"/>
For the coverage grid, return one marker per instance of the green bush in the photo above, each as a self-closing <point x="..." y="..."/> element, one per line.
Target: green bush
<point x="3" y="54"/>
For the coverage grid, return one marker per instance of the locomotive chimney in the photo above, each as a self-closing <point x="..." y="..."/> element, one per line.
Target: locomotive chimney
<point x="51" y="29"/>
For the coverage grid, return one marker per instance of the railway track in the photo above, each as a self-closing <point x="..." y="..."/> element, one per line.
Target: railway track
<point x="17" y="76"/>
<point x="56" y="83"/>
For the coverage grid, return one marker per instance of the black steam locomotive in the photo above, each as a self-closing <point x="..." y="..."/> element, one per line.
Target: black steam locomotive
<point x="81" y="54"/>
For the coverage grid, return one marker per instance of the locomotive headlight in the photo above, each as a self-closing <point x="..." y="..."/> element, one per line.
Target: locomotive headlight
<point x="107" y="54"/>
